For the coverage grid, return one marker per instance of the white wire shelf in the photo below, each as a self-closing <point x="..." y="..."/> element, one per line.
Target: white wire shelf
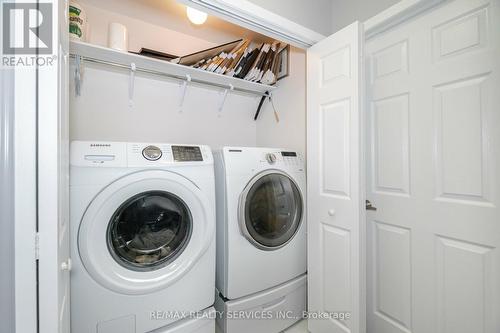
<point x="103" y="55"/>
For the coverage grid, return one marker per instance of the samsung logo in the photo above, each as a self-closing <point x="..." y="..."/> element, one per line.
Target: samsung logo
<point x="100" y="145"/>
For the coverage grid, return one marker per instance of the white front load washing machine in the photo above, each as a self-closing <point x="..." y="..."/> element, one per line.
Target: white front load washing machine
<point x="142" y="235"/>
<point x="261" y="235"/>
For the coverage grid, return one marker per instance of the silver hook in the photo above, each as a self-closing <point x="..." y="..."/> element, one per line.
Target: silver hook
<point x="223" y="99"/>
<point x="183" y="91"/>
<point x="131" y="81"/>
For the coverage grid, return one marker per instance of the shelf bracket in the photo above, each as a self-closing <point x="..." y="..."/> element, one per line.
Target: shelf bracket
<point x="223" y="98"/>
<point x="183" y="91"/>
<point x="78" y="75"/>
<point x="131" y="84"/>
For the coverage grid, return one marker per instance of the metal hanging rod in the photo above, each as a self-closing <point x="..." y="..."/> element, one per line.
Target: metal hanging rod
<point x="173" y="76"/>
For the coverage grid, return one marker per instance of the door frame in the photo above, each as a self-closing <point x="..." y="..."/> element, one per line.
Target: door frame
<point x="25" y="201"/>
<point x="396" y="14"/>
<point x="18" y="125"/>
<point x="251" y="16"/>
<point x="20" y="87"/>
<point x="7" y="173"/>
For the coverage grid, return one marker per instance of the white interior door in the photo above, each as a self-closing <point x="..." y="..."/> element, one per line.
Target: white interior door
<point x="335" y="197"/>
<point x="433" y="172"/>
<point x="53" y="182"/>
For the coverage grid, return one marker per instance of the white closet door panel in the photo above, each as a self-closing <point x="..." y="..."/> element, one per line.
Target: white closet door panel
<point x="433" y="172"/>
<point x="335" y="257"/>
<point x="53" y="183"/>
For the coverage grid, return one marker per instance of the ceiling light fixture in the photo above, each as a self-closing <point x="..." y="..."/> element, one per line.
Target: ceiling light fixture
<point x="195" y="16"/>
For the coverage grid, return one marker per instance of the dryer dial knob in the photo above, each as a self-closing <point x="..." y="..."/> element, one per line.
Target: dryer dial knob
<point x="151" y="153"/>
<point x="271" y="158"/>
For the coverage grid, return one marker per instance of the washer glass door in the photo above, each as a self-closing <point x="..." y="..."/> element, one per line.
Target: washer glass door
<point x="149" y="230"/>
<point x="271" y="210"/>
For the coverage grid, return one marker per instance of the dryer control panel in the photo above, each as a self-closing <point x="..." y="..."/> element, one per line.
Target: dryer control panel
<point x="282" y="158"/>
<point x="240" y="160"/>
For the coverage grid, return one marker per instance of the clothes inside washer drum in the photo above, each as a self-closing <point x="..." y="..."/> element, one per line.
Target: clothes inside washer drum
<point x="149" y="229"/>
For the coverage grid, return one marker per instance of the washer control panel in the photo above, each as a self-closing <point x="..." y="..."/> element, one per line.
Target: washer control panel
<point x="131" y="154"/>
<point x="288" y="154"/>
<point x="152" y="153"/>
<point x="271" y="158"/>
<point x="160" y="154"/>
<point x="187" y="153"/>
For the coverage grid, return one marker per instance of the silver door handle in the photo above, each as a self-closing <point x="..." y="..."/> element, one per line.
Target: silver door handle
<point x="369" y="205"/>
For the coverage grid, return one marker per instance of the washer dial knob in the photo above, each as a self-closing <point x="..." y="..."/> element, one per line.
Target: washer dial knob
<point x="271" y="158"/>
<point x="151" y="153"/>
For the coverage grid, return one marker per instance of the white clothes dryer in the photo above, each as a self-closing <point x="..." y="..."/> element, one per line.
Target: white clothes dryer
<point x="142" y="234"/>
<point x="261" y="227"/>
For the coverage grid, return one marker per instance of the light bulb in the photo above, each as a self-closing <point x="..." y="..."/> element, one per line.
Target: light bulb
<point x="196" y="16"/>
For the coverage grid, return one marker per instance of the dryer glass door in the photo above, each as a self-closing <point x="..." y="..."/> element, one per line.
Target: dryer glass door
<point x="271" y="210"/>
<point x="149" y="230"/>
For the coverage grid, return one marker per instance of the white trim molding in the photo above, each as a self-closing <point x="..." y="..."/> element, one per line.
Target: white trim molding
<point x="7" y="191"/>
<point x="396" y="14"/>
<point x="25" y="198"/>
<point x="248" y="15"/>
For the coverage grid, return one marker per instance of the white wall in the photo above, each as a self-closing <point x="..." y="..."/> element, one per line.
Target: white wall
<point x="315" y="15"/>
<point x="290" y="102"/>
<point x="345" y="12"/>
<point x="102" y="112"/>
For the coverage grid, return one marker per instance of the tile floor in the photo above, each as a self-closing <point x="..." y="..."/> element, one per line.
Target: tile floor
<point x="300" y="327"/>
